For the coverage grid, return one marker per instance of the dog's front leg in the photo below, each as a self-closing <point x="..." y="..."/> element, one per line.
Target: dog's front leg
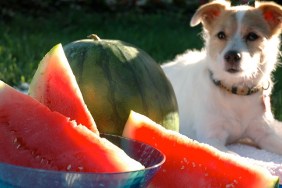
<point x="269" y="136"/>
<point x="214" y="137"/>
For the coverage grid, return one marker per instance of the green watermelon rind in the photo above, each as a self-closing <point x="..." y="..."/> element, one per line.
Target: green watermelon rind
<point x="116" y="77"/>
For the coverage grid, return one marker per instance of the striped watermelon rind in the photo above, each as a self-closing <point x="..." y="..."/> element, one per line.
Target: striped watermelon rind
<point x="116" y="77"/>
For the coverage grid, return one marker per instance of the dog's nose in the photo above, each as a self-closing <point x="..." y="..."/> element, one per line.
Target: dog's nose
<point x="232" y="57"/>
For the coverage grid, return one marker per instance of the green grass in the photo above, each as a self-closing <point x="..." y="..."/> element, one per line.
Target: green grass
<point x="25" y="39"/>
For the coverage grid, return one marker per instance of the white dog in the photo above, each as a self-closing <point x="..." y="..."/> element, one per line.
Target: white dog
<point x="223" y="91"/>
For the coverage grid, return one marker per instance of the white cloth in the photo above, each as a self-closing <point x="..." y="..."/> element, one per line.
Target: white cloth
<point x="271" y="161"/>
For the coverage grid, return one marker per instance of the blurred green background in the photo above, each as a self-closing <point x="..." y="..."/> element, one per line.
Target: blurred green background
<point x="30" y="28"/>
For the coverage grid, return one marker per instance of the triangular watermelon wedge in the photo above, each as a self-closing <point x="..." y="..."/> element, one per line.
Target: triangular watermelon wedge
<point x="31" y="135"/>
<point x="193" y="164"/>
<point x="55" y="86"/>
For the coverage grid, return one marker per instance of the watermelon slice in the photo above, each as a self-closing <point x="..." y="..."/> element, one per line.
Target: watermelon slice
<point x="31" y="135"/>
<point x="193" y="164"/>
<point x="55" y="86"/>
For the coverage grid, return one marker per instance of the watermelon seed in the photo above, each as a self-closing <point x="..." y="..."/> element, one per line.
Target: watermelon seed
<point x="69" y="167"/>
<point x="49" y="162"/>
<point x="80" y="168"/>
<point x="15" y="140"/>
<point x="18" y="146"/>
<point x="45" y="161"/>
<point x="42" y="161"/>
<point x="229" y="185"/>
<point x="37" y="157"/>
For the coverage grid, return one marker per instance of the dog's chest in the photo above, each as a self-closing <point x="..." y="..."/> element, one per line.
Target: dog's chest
<point x="236" y="113"/>
<point x="239" y="107"/>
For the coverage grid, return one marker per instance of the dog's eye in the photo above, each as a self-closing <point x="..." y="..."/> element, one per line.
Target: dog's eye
<point x="251" y="36"/>
<point x="221" y="35"/>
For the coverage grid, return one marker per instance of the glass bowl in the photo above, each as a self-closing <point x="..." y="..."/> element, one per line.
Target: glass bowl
<point x="12" y="176"/>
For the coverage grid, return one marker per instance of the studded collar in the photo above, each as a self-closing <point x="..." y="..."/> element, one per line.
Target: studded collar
<point x="238" y="90"/>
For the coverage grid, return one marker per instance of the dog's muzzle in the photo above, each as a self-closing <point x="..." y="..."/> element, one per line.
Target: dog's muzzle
<point x="232" y="61"/>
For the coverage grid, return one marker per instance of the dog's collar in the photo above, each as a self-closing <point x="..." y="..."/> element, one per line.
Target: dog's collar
<point x="238" y="90"/>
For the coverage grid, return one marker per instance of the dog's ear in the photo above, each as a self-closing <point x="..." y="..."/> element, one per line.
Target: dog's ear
<point x="272" y="13"/>
<point x="207" y="13"/>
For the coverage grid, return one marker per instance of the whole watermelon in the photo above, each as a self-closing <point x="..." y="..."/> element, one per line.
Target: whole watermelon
<point x="116" y="77"/>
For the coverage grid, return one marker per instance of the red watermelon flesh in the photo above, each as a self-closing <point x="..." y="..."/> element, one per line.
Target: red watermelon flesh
<point x="193" y="164"/>
<point x="31" y="135"/>
<point x="55" y="86"/>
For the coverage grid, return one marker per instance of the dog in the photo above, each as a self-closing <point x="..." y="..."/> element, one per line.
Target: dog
<point x="223" y="91"/>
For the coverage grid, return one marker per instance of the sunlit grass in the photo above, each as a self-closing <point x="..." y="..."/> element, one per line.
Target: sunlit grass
<point x="25" y="40"/>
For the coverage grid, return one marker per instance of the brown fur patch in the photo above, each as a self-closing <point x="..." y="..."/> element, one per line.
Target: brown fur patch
<point x="253" y="21"/>
<point x="227" y="23"/>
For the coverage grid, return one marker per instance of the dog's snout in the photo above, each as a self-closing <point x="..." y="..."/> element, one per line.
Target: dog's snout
<point x="232" y="61"/>
<point x="232" y="57"/>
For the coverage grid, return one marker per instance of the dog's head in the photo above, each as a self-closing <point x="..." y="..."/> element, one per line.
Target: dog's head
<point x="242" y="42"/>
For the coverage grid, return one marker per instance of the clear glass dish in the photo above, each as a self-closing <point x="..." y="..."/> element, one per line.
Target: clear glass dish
<point x="12" y="176"/>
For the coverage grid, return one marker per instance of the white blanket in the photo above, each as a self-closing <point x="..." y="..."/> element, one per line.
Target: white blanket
<point x="271" y="161"/>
